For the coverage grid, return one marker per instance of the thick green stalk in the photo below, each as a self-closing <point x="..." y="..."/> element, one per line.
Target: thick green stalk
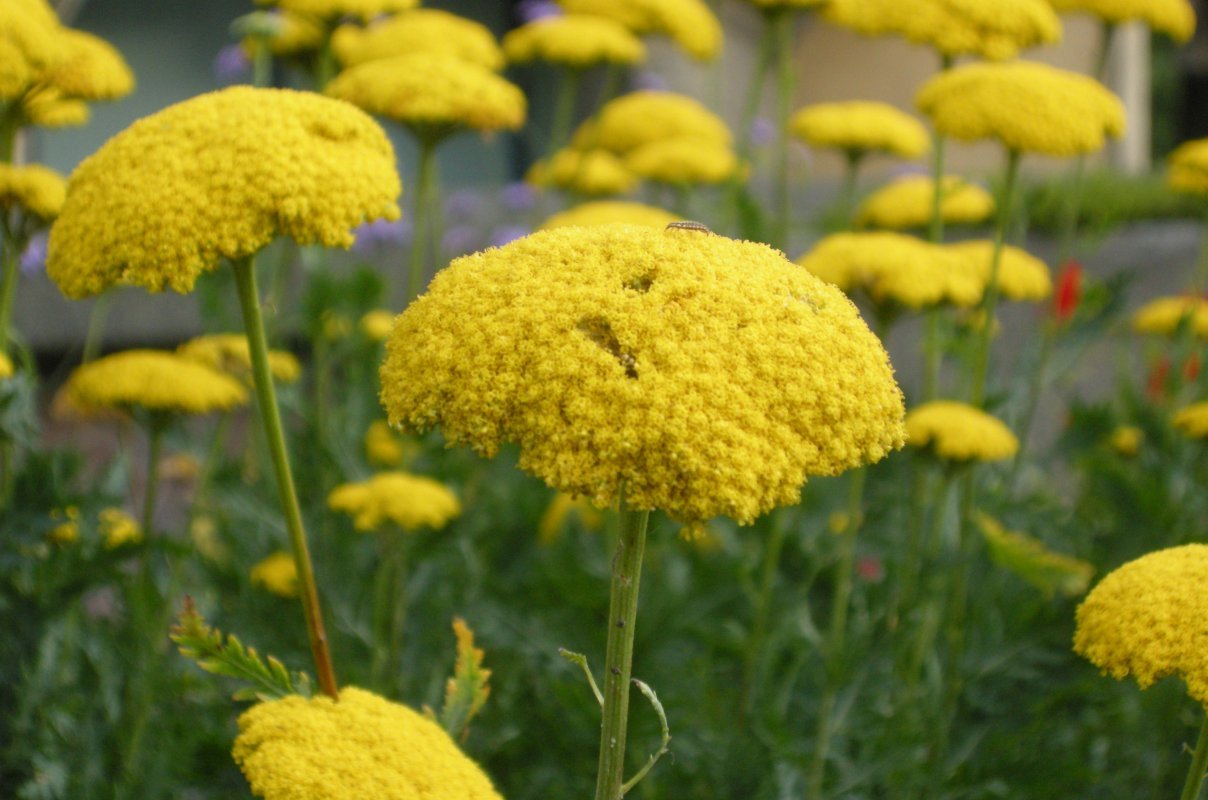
<point x="420" y="220"/>
<point x="266" y="397"/>
<point x="569" y="84"/>
<point x="618" y="659"/>
<point x="989" y="303"/>
<point x="1199" y="762"/>
<point x="763" y="605"/>
<point x="10" y="261"/>
<point x="390" y="610"/>
<point x="847" y="195"/>
<point x="95" y="336"/>
<point x="782" y="25"/>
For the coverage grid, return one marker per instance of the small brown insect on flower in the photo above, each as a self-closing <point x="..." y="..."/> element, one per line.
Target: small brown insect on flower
<point x="689" y="225"/>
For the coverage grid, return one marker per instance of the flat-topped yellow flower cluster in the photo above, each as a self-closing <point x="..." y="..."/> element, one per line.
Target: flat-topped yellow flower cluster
<point x="958" y="432"/>
<point x="410" y="502"/>
<point x="574" y="40"/>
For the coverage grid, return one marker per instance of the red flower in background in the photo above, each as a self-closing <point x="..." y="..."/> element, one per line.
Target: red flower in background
<point x="1068" y="293"/>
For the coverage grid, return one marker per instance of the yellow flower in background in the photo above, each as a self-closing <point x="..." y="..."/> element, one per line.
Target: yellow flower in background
<point x="33" y="188"/>
<point x="639" y="118"/>
<point x="1027" y="557"/>
<point x="1165" y="315"/>
<point x="203" y="533"/>
<point x="229" y="353"/>
<point x="861" y="126"/>
<point x="6" y="367"/>
<point x="906" y="203"/>
<point x="1126" y="440"/>
<point x="1175" y="18"/>
<point x="371" y="748"/>
<point x="48" y="109"/>
<point x="1149" y="619"/>
<point x="708" y="375"/>
<point x="1021" y="276"/>
<point x="294" y="35"/>
<point x="432" y="90"/>
<point x="893" y="267"/>
<point x="376" y="324"/>
<point x="384" y="447"/>
<point x="155" y="380"/>
<point x="691" y="24"/>
<point x="421" y="30"/>
<point x="1188" y="170"/>
<point x="1193" y="420"/>
<point x="791" y="4"/>
<point x="331" y="9"/>
<point x="67" y="531"/>
<point x="607" y="212"/>
<point x="118" y="528"/>
<point x="219" y="176"/>
<point x="560" y="510"/>
<point x="409" y="501"/>
<point x="91" y="69"/>
<point x="959" y="432"/>
<point x="30" y="41"/>
<point x="277" y="574"/>
<point x="574" y="40"/>
<point x="995" y="30"/>
<point x="683" y="161"/>
<point x="1027" y="106"/>
<point x="592" y="173"/>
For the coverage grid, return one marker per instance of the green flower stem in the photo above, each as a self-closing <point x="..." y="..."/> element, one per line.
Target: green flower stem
<point x="10" y="260"/>
<point x="1032" y="401"/>
<point x="262" y="64"/>
<point x="1200" y="281"/>
<point x="424" y="209"/>
<point x="1199" y="762"/>
<point x="989" y="303"/>
<point x="763" y="606"/>
<point x="325" y="63"/>
<point x="95" y="336"/>
<point x="155" y="438"/>
<point x="202" y="487"/>
<point x="836" y="640"/>
<point x="906" y="586"/>
<point x="847" y="195"/>
<point x="782" y="24"/>
<point x="266" y="396"/>
<point x="618" y="659"/>
<point x="926" y="633"/>
<point x="763" y="65"/>
<point x="390" y="609"/>
<point x="569" y="85"/>
<point x="932" y="354"/>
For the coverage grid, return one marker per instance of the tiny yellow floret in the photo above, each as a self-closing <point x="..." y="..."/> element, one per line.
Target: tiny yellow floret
<point x="1149" y="619"/>
<point x="219" y="176"/>
<point x="709" y="376"/>
<point x="861" y="126"/>
<point x="409" y="501"/>
<point x="361" y="746"/>
<point x="578" y="41"/>
<point x="155" y="380"/>
<point x="906" y="203"/>
<point x="959" y="432"/>
<point x="1192" y="420"/>
<point x="1027" y="106"/>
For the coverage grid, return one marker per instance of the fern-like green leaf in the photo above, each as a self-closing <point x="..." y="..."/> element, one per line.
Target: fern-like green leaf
<point x="467" y="690"/>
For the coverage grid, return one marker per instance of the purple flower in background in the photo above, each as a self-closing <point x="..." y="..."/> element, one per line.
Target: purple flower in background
<point x="518" y="196"/>
<point x="33" y="258"/>
<point x="649" y="81"/>
<point x="459" y="240"/>
<point x="463" y="204"/>
<point x="532" y="10"/>
<point x="506" y="233"/>
<point x="763" y="132"/>
<point x="232" y="65"/>
<point x="374" y="237"/>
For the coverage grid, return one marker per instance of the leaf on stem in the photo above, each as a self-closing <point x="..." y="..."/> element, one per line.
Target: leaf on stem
<point x="467" y="690"/>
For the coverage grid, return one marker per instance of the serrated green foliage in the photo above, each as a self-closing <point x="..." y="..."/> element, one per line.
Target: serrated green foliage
<point x="467" y="690"/>
<point x="269" y="679"/>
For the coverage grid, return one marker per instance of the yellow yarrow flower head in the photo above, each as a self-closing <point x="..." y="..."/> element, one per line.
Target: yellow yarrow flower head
<point x="36" y="190"/>
<point x="993" y="30"/>
<point x="49" y="109"/>
<point x="376" y="324"/>
<point x="683" y="162"/>
<point x="560" y="509"/>
<point x="155" y="380"/>
<point x="384" y="447"/>
<point x="643" y="117"/>
<point x="409" y="501"/>
<point x="860" y="126"/>
<point x="786" y="4"/>
<point x="893" y="268"/>
<point x="1021" y="276"/>
<point x="432" y="91"/>
<point x="67" y="531"/>
<point x="1188" y="170"/>
<point x="1149" y="619"/>
<point x="278" y="573"/>
<point x="1126" y="440"/>
<point x="574" y="40"/>
<point x="906" y="202"/>
<point x="6" y="367"/>
<point x="333" y="9"/>
<point x="421" y="30"/>
<point x="219" y="176"/>
<point x="371" y="748"/>
<point x="1193" y="420"/>
<point x="689" y="23"/>
<point x="286" y="35"/>
<point x="1027" y="106"/>
<point x="1166" y="315"/>
<point x="1027" y="557"/>
<point x="1175" y="18"/>
<point x="958" y="432"/>
<point x="589" y="172"/>
<point x="91" y="69"/>
<point x="30" y="42"/>
<point x="119" y="528"/>
<point x="607" y="212"/>
<point x="708" y="376"/>
<point x="229" y="353"/>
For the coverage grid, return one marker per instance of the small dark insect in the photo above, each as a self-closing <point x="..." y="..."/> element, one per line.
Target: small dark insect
<point x="689" y="225"/>
<point x="616" y="670"/>
<point x="620" y="623"/>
